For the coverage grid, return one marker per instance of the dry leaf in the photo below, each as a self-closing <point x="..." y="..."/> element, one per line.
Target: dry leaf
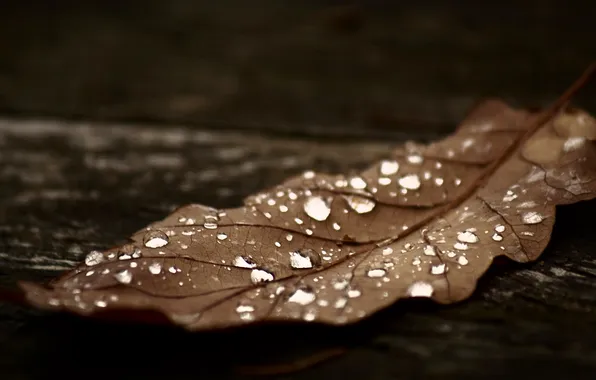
<point x="426" y="222"/>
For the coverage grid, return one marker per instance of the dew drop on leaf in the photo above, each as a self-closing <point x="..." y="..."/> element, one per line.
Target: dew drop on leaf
<point x="155" y="268"/>
<point x="244" y="262"/>
<point x="497" y="237"/>
<point x="415" y="159"/>
<point x="532" y="217"/>
<point x="94" y="258"/>
<point x="260" y="275"/>
<point x="462" y="260"/>
<point x="410" y="182"/>
<point x="461" y="246"/>
<point x="389" y="167"/>
<point x="429" y="250"/>
<point x="499" y="228"/>
<point x="123" y="277"/>
<point x="361" y="205"/>
<point x="357" y="183"/>
<point x="317" y="208"/>
<point x="155" y="239"/>
<point x="420" y="289"/>
<point x="375" y="273"/>
<point x="438" y="269"/>
<point x="222" y="236"/>
<point x="304" y="259"/>
<point x="354" y="293"/>
<point x="467" y="237"/>
<point x="244" y="308"/>
<point x="302" y="296"/>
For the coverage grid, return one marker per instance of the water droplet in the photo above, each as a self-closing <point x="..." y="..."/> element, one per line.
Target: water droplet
<point x="499" y="228"/>
<point x="387" y="251"/>
<point x="376" y="273"/>
<point x="336" y="226"/>
<point x="302" y="296"/>
<point x="340" y="303"/>
<point x="420" y="289"/>
<point x="462" y="260"/>
<point x="532" y="217"/>
<point x="309" y="316"/>
<point x="439" y="181"/>
<point x="155" y="239"/>
<point x="308" y="174"/>
<point x="304" y="259"/>
<point x="123" y="277"/>
<point x="289" y="237"/>
<point x="509" y="196"/>
<point x="354" y="293"/>
<point x="260" y="275"/>
<point x="357" y="183"/>
<point x="457" y="182"/>
<point x="222" y="236"/>
<point x="244" y="262"/>
<point x="360" y="204"/>
<point x="415" y="159"/>
<point x="527" y="204"/>
<point x="497" y="237"/>
<point x="54" y="302"/>
<point x="210" y="225"/>
<point x="384" y="181"/>
<point x="467" y="237"/>
<point x="573" y="143"/>
<point x="389" y="167"/>
<point x="298" y="221"/>
<point x="94" y="258"/>
<point x="283" y="208"/>
<point x="172" y="269"/>
<point x="271" y="202"/>
<point x="340" y="284"/>
<point x="461" y="246"/>
<point x="317" y="208"/>
<point x="155" y="268"/>
<point x="416" y="261"/>
<point x="410" y="182"/>
<point x="243" y="308"/>
<point x="429" y="250"/>
<point x="438" y="269"/>
<point x="100" y="303"/>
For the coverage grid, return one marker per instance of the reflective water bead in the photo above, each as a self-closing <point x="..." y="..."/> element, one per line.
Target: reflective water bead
<point x="123" y="277"/>
<point x="389" y="167"/>
<point x="532" y="217"/>
<point x="244" y="262"/>
<point x="94" y="258"/>
<point x="420" y="289"/>
<point x="260" y="275"/>
<point x="467" y="237"/>
<point x="359" y="204"/>
<point x="410" y="182"/>
<point x="304" y="259"/>
<point x="155" y="239"/>
<point x="317" y="208"/>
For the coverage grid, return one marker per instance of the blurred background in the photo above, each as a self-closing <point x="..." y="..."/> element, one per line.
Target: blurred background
<point x="307" y="66"/>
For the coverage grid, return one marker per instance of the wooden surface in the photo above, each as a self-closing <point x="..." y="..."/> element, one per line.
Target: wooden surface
<point x="113" y="115"/>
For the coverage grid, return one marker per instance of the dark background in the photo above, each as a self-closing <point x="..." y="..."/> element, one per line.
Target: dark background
<point x="114" y="113"/>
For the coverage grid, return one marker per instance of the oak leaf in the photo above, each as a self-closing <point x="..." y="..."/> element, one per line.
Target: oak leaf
<point x="427" y="221"/>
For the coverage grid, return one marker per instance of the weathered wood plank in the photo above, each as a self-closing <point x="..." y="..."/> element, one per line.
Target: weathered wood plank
<point x="308" y="66"/>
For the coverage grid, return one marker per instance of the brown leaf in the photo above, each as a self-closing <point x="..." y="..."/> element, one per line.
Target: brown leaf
<point x="425" y="222"/>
